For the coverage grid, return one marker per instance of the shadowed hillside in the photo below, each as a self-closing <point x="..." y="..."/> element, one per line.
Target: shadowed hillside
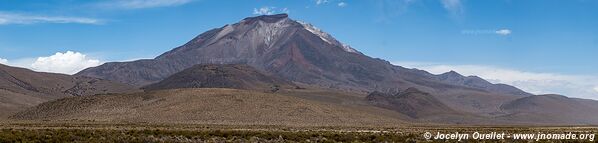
<point x="222" y="76"/>
<point x="552" y="109"/>
<point x="412" y="102"/>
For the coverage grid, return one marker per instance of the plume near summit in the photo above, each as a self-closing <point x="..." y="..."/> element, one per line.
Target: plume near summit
<point x="386" y="71"/>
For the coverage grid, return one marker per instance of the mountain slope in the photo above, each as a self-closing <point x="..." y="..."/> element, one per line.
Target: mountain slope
<point x="222" y="76"/>
<point x="412" y="102"/>
<point x="11" y="102"/>
<point x="556" y="109"/>
<point x="424" y="107"/>
<point x="21" y="88"/>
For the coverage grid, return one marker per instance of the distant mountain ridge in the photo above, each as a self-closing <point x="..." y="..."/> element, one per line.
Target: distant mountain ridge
<point x="21" y="88"/>
<point x="477" y="82"/>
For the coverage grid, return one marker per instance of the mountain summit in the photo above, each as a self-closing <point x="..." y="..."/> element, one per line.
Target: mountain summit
<point x="273" y="43"/>
<point x="298" y="52"/>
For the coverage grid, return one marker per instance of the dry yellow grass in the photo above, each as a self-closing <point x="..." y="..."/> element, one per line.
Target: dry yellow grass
<point x="209" y="106"/>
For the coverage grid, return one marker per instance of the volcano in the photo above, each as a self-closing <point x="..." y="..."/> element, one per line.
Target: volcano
<point x="295" y="50"/>
<point x="301" y="53"/>
<point x="321" y="74"/>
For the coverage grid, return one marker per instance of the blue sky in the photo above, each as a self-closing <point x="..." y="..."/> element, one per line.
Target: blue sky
<point x="542" y="46"/>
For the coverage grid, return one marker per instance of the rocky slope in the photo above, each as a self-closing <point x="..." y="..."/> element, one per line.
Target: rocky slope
<point x="222" y="76"/>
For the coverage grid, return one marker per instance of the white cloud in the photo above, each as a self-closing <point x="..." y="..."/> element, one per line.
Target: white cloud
<point x="581" y="86"/>
<point x="263" y="11"/>
<point x="3" y="61"/>
<point x="139" y="4"/>
<point x="453" y="6"/>
<point x="15" y="18"/>
<point x="269" y="10"/>
<point x="318" y="2"/>
<point x="342" y="4"/>
<point x="68" y="63"/>
<point x="504" y="32"/>
<point x="596" y="88"/>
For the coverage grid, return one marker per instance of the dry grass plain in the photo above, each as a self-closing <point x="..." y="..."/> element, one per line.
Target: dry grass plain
<point x="213" y="106"/>
<point x="80" y="131"/>
<point x="229" y="115"/>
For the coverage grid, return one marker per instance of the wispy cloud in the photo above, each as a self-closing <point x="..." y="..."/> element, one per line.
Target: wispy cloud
<point x="17" y="18"/>
<point x="581" y="86"/>
<point x="265" y="10"/>
<point x="453" y="6"/>
<point x="324" y="2"/>
<point x="389" y="9"/>
<point x="394" y="8"/>
<point x="139" y="4"/>
<point x="318" y="2"/>
<point x="285" y="10"/>
<point x="342" y="4"/>
<point x="503" y="32"/>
